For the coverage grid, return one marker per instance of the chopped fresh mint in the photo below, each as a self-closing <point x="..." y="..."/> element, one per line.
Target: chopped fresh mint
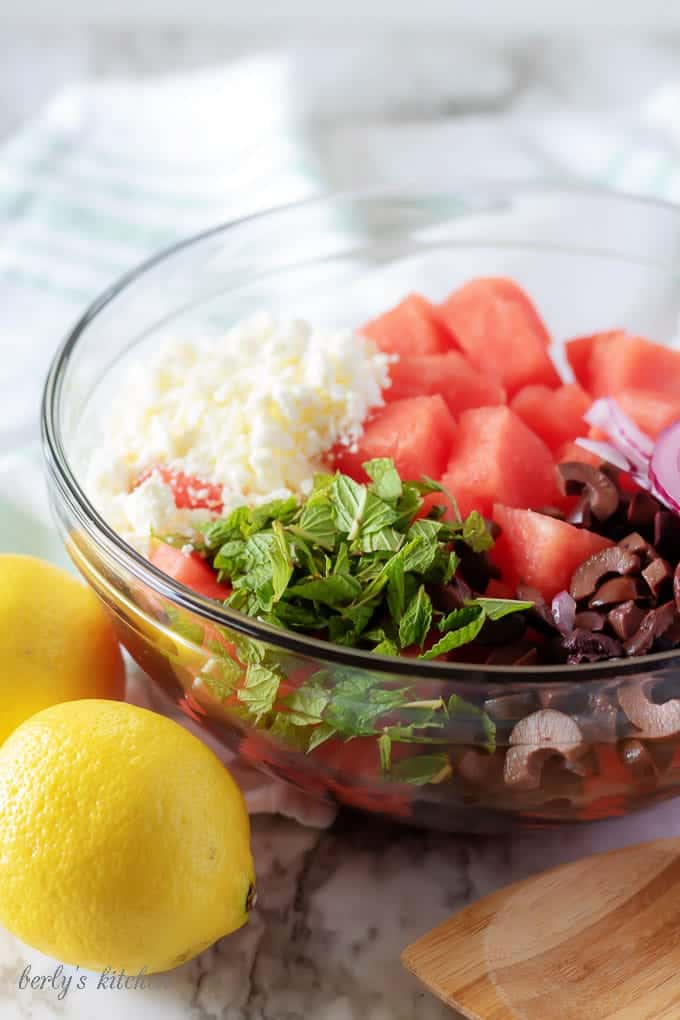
<point x="356" y="563"/>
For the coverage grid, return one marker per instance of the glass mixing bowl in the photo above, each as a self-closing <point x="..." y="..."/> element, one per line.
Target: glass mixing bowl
<point x="591" y="261"/>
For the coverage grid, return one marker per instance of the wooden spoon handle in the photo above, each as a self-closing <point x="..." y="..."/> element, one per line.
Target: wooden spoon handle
<point x="595" y="940"/>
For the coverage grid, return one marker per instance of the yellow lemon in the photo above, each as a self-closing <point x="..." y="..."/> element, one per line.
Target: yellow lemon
<point x="56" y="641"/>
<point x="124" y="842"/>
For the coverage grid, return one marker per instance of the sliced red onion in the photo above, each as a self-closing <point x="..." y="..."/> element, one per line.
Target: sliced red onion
<point x="637" y="447"/>
<point x="664" y="468"/>
<point x="606" y="451"/>
<point x="564" y="612"/>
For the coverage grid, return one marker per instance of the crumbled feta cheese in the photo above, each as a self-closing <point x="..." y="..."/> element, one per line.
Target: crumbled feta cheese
<point x="252" y="411"/>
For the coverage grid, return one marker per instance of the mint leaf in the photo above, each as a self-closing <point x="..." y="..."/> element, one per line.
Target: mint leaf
<point x="305" y="706"/>
<point x="336" y="590"/>
<point x="377" y="515"/>
<point x="386" y="647"/>
<point x="297" y="617"/>
<point x="281" y="562"/>
<point x="423" y="769"/>
<point x="317" y="525"/>
<point x="342" y="564"/>
<point x="386" y="540"/>
<point x="247" y="649"/>
<point x="231" y="557"/>
<point x="385" y="478"/>
<point x="184" y="626"/>
<point x="415" y="624"/>
<point x="496" y="609"/>
<point x="453" y="639"/>
<point x="408" y="504"/>
<point x="357" y="702"/>
<point x="385" y="751"/>
<point x="320" y="734"/>
<point x="276" y="510"/>
<point x="349" y="500"/>
<point x="322" y="484"/>
<point x="422" y="553"/>
<point x="476" y="533"/>
<point x="259" y="690"/>
<point x="461" y="617"/>
<point x="396" y="591"/>
<point x="226" y="529"/>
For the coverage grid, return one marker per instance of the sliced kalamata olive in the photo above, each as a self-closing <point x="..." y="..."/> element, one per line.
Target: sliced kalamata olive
<point x="613" y="560"/>
<point x="642" y="510"/>
<point x="617" y="589"/>
<point x="659" y="576"/>
<point x="451" y="596"/>
<point x="635" y="543"/>
<point x="504" y="631"/>
<point x="654" y="721"/>
<point x="670" y="638"/>
<point x="625" y="619"/>
<point x="654" y="623"/>
<point x="581" y="515"/>
<point x="585" y="646"/>
<point x="537" y="738"/>
<point x="589" y="620"/>
<point x="667" y="535"/>
<point x="552" y="511"/>
<point x="595" y="488"/>
<point x="512" y="706"/>
<point x="676" y="587"/>
<point x="475" y="568"/>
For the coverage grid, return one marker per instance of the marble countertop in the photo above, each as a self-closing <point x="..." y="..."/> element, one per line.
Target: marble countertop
<point x="336" y="907"/>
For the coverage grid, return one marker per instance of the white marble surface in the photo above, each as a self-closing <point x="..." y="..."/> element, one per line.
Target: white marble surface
<point x="336" y="907"/>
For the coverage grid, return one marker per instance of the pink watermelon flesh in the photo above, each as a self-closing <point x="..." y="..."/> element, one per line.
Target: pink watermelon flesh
<point x="412" y="327"/>
<point x="607" y="363"/>
<point x="416" y="433"/>
<point x="495" y="456"/>
<point x="540" y="551"/>
<point x="449" y="374"/>
<point x="498" y="336"/>
<point x="554" y="415"/>
<point x="652" y="412"/>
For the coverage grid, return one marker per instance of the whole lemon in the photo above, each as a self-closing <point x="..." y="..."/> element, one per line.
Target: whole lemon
<point x="56" y="641"/>
<point x="124" y="841"/>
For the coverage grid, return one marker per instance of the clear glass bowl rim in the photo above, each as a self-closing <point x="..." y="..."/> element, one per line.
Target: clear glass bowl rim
<point x="130" y="560"/>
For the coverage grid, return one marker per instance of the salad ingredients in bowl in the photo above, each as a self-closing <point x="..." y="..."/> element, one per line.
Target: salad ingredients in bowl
<point x="415" y="564"/>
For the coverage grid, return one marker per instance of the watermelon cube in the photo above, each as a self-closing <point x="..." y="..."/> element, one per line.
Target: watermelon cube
<point x="450" y="374"/>
<point x="607" y="363"/>
<point x="501" y="335"/>
<point x="411" y="327"/>
<point x="495" y="456"/>
<point x="554" y="415"/>
<point x="652" y="412"/>
<point x="541" y="551"/>
<point x="416" y="433"/>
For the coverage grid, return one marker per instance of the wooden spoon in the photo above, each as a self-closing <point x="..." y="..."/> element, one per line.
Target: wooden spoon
<point x="595" y="940"/>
